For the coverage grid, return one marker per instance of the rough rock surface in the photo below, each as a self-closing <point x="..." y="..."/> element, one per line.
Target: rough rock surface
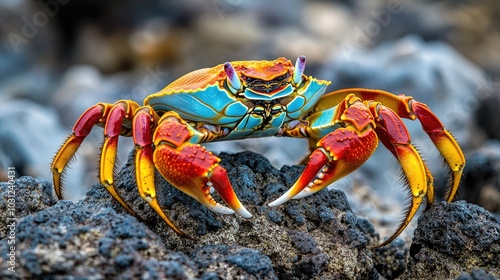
<point x="311" y="238"/>
<point x="30" y="196"/>
<point x="476" y="274"/>
<point x="452" y="238"/>
<point x="88" y="239"/>
<point x="314" y="236"/>
<point x="481" y="184"/>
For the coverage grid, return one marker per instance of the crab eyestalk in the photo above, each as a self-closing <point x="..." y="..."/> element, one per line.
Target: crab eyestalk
<point x="300" y="65"/>
<point x="233" y="80"/>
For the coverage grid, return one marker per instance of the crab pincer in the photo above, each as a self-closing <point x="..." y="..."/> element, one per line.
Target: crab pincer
<point x="345" y="149"/>
<point x="191" y="168"/>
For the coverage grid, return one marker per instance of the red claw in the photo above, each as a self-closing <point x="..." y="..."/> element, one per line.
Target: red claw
<point x="191" y="168"/>
<point x="317" y="161"/>
<point x="340" y="152"/>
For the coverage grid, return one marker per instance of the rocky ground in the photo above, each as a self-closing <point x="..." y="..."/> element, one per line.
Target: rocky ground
<point x="444" y="53"/>
<point x="317" y="237"/>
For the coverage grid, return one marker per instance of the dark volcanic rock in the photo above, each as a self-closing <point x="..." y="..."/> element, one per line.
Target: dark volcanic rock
<point x="476" y="274"/>
<point x="391" y="260"/>
<point x="27" y="195"/>
<point x="72" y="239"/>
<point x="313" y="237"/>
<point x="452" y="238"/>
<point x="310" y="237"/>
<point x="232" y="262"/>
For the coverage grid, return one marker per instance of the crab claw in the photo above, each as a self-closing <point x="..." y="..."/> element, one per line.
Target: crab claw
<point x="300" y="65"/>
<point x="339" y="153"/>
<point x="191" y="168"/>
<point x="220" y="181"/>
<point x="317" y="161"/>
<point x="233" y="80"/>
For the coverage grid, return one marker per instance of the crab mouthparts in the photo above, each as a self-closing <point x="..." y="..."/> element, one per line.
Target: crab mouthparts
<point x="266" y="87"/>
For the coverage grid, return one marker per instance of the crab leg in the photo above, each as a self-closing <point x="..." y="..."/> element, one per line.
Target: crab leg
<point x="144" y="120"/>
<point x="191" y="168"/>
<point x="445" y="143"/>
<point x="113" y="114"/>
<point x="346" y="149"/>
<point x="391" y="132"/>
<point x="81" y="129"/>
<point x="121" y="110"/>
<point x="394" y="135"/>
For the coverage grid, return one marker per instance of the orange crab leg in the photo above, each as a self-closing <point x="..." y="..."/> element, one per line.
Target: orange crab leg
<point x="339" y="153"/>
<point x="391" y="131"/>
<point x="112" y="115"/>
<point x="191" y="168"/>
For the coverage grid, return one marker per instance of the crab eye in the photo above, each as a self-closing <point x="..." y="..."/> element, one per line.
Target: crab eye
<point x="300" y="65"/>
<point x="233" y="80"/>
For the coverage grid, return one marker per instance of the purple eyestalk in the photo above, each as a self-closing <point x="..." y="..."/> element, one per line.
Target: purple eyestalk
<point x="300" y="65"/>
<point x="232" y="78"/>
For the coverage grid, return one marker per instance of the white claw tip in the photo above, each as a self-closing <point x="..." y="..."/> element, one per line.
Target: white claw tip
<point x="221" y="209"/>
<point x="244" y="212"/>
<point x="282" y="199"/>
<point x="305" y="192"/>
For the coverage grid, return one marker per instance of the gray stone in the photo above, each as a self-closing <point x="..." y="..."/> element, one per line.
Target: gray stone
<point x="452" y="238"/>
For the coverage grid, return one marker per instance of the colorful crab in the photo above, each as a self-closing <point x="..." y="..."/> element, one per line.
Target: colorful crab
<point x="245" y="99"/>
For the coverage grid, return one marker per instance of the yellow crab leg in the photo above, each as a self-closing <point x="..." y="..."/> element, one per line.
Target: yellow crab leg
<point x="393" y="134"/>
<point x="118" y="112"/>
<point x="81" y="129"/>
<point x="430" y="187"/>
<point x="445" y="143"/>
<point x="112" y="117"/>
<point x="144" y="120"/>
<point x="61" y="160"/>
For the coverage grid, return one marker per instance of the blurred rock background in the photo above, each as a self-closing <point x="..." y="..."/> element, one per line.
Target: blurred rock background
<point x="58" y="57"/>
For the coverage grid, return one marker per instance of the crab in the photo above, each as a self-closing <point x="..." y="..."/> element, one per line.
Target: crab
<point x="243" y="99"/>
